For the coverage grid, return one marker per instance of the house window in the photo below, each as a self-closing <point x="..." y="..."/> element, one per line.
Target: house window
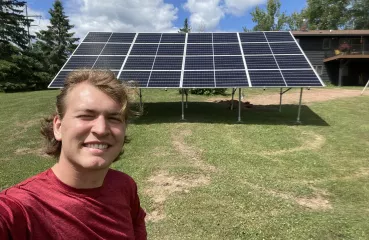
<point x="326" y="43"/>
<point x="318" y="69"/>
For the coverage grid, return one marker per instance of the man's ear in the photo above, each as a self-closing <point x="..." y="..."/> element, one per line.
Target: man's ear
<point x="57" y="128"/>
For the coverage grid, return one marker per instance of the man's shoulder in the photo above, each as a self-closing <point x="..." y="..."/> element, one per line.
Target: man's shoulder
<point x="120" y="175"/>
<point x="27" y="187"/>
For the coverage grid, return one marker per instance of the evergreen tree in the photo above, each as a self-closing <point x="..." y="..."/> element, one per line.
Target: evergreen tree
<point x="13" y="24"/>
<point x="186" y="28"/>
<point x="56" y="43"/>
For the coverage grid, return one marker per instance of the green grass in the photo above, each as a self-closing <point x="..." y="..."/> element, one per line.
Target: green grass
<point x="263" y="178"/>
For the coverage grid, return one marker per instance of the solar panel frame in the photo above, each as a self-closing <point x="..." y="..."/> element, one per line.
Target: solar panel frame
<point x="196" y="55"/>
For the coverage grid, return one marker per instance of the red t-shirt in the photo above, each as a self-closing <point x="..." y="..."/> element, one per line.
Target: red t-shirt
<point x="42" y="207"/>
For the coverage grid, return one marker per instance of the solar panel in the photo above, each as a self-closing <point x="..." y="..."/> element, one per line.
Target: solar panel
<point x="171" y="49"/>
<point x="122" y="37"/>
<point x="173" y="38"/>
<point x="234" y="78"/>
<point x="227" y="49"/>
<point x="109" y="62"/>
<point x="89" y="49"/>
<point x="200" y="79"/>
<point x="186" y="60"/>
<point x="199" y="63"/>
<point x="199" y="49"/>
<point x="116" y="49"/>
<point x="165" y="79"/>
<point x="97" y="37"/>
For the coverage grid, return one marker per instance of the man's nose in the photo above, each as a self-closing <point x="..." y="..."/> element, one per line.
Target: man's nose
<point x="100" y="126"/>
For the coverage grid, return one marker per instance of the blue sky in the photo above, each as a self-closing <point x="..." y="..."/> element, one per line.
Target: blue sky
<point x="156" y="15"/>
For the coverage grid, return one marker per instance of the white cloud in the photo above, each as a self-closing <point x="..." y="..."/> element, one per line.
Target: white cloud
<point x="40" y="21"/>
<point x="121" y="16"/>
<point x="206" y="14"/>
<point x="239" y="7"/>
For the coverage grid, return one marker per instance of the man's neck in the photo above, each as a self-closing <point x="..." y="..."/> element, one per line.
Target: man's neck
<point x="80" y="179"/>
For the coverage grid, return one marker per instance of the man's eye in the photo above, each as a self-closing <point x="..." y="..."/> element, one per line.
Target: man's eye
<point x="116" y="119"/>
<point x="85" y="116"/>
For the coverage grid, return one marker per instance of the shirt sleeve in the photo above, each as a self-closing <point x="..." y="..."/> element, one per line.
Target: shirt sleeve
<point x="138" y="216"/>
<point x="13" y="223"/>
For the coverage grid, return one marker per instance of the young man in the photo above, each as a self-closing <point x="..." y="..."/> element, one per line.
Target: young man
<point x="80" y="197"/>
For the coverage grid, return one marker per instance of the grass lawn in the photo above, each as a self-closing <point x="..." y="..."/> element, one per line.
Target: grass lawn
<point x="210" y="177"/>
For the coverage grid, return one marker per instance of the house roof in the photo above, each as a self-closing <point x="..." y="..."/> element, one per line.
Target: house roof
<point x="331" y="33"/>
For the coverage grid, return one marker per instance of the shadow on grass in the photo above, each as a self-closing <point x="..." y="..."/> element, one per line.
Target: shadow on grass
<point x="207" y="112"/>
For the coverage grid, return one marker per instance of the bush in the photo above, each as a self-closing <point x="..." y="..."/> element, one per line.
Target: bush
<point x="206" y="91"/>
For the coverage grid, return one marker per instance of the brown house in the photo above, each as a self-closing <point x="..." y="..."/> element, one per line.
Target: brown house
<point x="340" y="57"/>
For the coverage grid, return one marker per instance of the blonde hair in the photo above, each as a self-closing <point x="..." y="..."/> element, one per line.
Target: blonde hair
<point x="105" y="81"/>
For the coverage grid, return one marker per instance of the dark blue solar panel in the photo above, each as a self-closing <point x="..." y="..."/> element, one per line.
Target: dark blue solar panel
<point x="231" y="79"/>
<point x="285" y="48"/>
<point x="89" y="49"/>
<point x="227" y="49"/>
<point x="165" y="79"/>
<point x="122" y="37"/>
<point x="292" y="61"/>
<point x="261" y="62"/>
<point x="144" y="49"/>
<point x="199" y="49"/>
<point x="228" y="62"/>
<point x="173" y="38"/>
<point x="148" y="38"/>
<point x="135" y="78"/>
<point x="171" y="49"/>
<point x="225" y="38"/>
<point x="116" y="49"/>
<point x="76" y="62"/>
<point x="59" y="79"/>
<point x="198" y="79"/>
<point x="300" y="78"/>
<point x="97" y="37"/>
<point x="139" y="63"/>
<point x="109" y="62"/>
<point x="168" y="63"/>
<point x="266" y="78"/>
<point x="199" y="38"/>
<point x="203" y="63"/>
<point x="252" y="37"/>
<point x="278" y="36"/>
<point x="256" y="48"/>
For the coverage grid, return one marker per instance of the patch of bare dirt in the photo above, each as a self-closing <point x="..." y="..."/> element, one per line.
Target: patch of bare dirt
<point x="316" y="202"/>
<point x="164" y="185"/>
<point x="192" y="154"/>
<point x="309" y="96"/>
<point x="26" y="151"/>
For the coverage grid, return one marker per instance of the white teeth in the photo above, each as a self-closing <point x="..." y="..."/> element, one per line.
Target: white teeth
<point x="97" y="146"/>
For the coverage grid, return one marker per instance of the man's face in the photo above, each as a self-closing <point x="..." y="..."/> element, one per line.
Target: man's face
<point x="92" y="130"/>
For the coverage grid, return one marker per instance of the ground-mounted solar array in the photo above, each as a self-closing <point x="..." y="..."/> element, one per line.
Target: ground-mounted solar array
<point x="195" y="60"/>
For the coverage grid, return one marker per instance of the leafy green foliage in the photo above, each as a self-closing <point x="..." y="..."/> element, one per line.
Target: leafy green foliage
<point x="206" y="91"/>
<point x="269" y="19"/>
<point x="56" y="43"/>
<point x="359" y="14"/>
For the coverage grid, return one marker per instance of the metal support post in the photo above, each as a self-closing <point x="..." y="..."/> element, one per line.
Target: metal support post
<point x="239" y="104"/>
<point x="365" y="87"/>
<point x="182" y="104"/>
<point x="280" y="100"/>
<point x="299" y="110"/>
<point x="233" y="91"/>
<point x="141" y="106"/>
<point x="186" y="92"/>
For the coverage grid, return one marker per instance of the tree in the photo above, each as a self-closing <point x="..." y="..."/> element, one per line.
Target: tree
<point x="186" y="28"/>
<point x="327" y="14"/>
<point x="56" y="43"/>
<point x="269" y="19"/>
<point x="296" y="20"/>
<point x="13" y="23"/>
<point x="359" y="14"/>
